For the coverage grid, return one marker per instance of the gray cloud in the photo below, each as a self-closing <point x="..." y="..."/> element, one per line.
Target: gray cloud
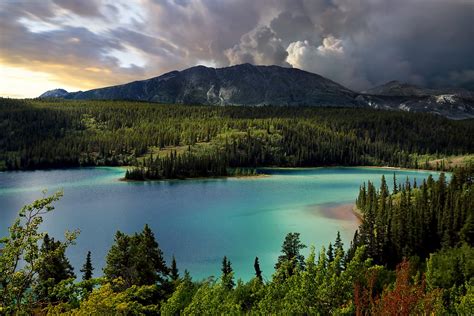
<point x="260" y="46"/>
<point x="357" y="43"/>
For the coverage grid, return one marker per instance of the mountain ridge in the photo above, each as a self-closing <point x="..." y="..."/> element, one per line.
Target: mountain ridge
<point x="251" y="85"/>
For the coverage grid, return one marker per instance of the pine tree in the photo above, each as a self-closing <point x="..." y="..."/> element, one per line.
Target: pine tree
<point x="119" y="261"/>
<point x="227" y="274"/>
<point x="53" y="269"/>
<point x="338" y="244"/>
<point x="330" y="253"/>
<point x="174" y="273"/>
<point x="87" y="272"/>
<point x="291" y="252"/>
<point x="87" y="268"/>
<point x="395" y="185"/>
<point x="258" y="271"/>
<point x="151" y="266"/>
<point x="467" y="231"/>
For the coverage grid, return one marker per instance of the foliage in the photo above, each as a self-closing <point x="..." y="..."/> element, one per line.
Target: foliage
<point x="136" y="259"/>
<point x="22" y="257"/>
<point x="407" y="297"/>
<point x="181" y="297"/>
<point x="134" y="300"/>
<point x="53" y="269"/>
<point x="291" y="256"/>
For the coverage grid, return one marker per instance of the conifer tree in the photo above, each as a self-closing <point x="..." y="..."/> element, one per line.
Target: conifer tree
<point x="87" y="268"/>
<point x="395" y="184"/>
<point x="53" y="269"/>
<point x="330" y="253"/>
<point x="227" y="274"/>
<point x="119" y="261"/>
<point x="151" y="265"/>
<point x="174" y="273"/>
<point x="291" y="252"/>
<point x="258" y="271"/>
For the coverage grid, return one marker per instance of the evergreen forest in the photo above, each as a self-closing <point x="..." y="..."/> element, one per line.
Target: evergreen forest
<point x="178" y="141"/>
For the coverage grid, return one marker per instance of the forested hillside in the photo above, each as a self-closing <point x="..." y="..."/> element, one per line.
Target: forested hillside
<point x="177" y="141"/>
<point x="413" y="256"/>
<point x="416" y="219"/>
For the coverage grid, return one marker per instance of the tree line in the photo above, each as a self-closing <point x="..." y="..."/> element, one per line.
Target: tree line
<point x="413" y="254"/>
<point x="37" y="134"/>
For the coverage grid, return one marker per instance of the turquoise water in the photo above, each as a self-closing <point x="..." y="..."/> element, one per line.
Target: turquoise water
<point x="199" y="221"/>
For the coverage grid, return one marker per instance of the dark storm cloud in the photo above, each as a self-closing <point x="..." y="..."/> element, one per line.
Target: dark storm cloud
<point x="421" y="41"/>
<point x="358" y="43"/>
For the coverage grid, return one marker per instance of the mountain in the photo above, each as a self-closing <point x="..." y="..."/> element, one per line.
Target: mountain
<point x="397" y="88"/>
<point x="56" y="93"/>
<point x="237" y="85"/>
<point x="455" y="103"/>
<point x="251" y="85"/>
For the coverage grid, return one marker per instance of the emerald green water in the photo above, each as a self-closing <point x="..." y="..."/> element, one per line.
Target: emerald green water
<point x="199" y="221"/>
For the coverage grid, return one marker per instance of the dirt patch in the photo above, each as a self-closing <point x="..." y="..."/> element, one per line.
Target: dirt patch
<point x="336" y="211"/>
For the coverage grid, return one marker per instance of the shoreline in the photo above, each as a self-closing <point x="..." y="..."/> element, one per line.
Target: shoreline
<point x="254" y="176"/>
<point x="401" y="168"/>
<point x="357" y="212"/>
<point x="359" y="166"/>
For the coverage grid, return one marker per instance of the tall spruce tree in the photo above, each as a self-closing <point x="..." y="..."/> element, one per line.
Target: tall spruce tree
<point x="119" y="261"/>
<point x="87" y="270"/>
<point x="330" y="253"/>
<point x="291" y="252"/>
<point x="227" y="274"/>
<point x="151" y="265"/>
<point x="174" y="273"/>
<point x="258" y="271"/>
<point x="54" y="268"/>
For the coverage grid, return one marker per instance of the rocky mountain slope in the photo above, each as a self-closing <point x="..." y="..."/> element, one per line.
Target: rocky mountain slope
<point x="251" y="85"/>
<point x="455" y="103"/>
<point x="56" y="93"/>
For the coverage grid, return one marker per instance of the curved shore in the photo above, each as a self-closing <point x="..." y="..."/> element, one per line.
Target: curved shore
<point x="358" y="213"/>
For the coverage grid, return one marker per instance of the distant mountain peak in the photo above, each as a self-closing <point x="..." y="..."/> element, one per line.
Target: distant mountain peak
<point x="55" y="93"/>
<point x="398" y="88"/>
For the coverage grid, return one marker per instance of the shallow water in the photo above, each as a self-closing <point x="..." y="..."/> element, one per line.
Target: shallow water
<point x="199" y="221"/>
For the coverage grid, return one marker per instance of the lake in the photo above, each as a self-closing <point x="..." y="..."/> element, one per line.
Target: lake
<point x="199" y="221"/>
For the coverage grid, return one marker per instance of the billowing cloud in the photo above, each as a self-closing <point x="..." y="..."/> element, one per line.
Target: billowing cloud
<point x="330" y="59"/>
<point x="261" y="47"/>
<point x="93" y="43"/>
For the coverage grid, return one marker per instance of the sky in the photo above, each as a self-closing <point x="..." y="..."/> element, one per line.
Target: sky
<point x="85" y="44"/>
